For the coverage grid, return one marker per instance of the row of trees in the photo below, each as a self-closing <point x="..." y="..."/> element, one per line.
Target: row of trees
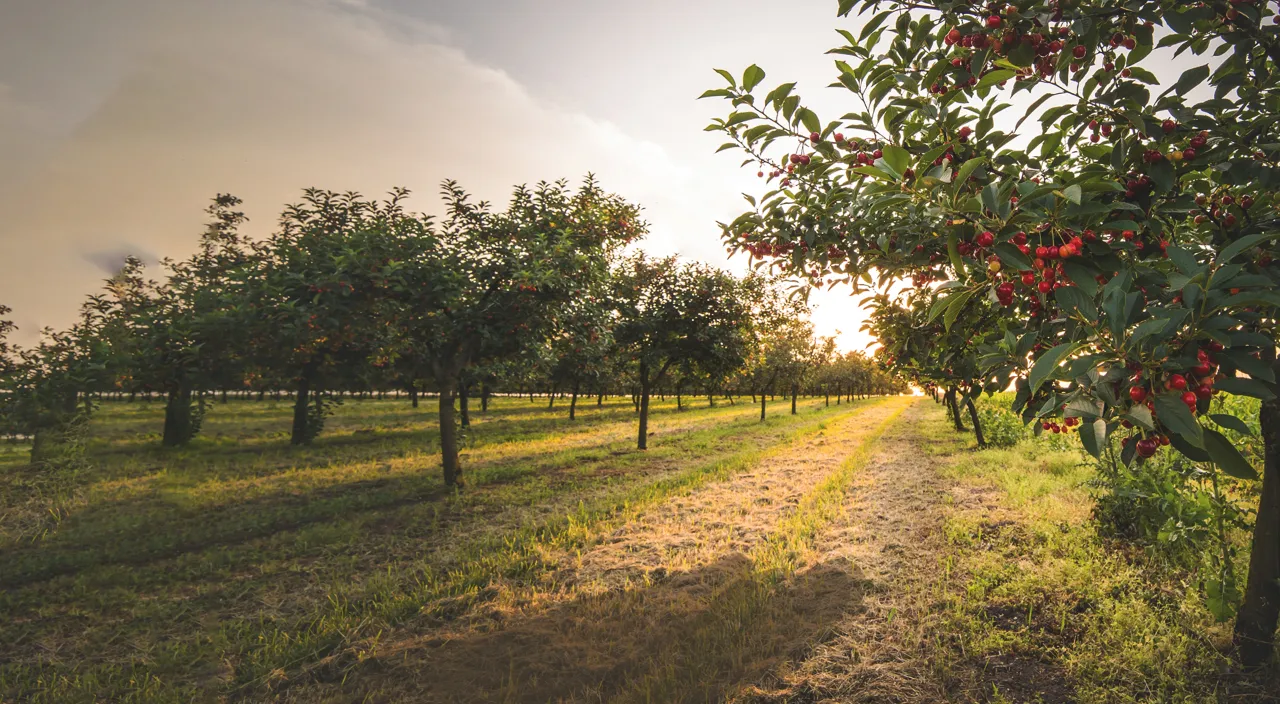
<point x="1117" y="266"/>
<point x="351" y="294"/>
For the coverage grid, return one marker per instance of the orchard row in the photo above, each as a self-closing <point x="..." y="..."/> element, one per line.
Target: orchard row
<point x="351" y="294"/>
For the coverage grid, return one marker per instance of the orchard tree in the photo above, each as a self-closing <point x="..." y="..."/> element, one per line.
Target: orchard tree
<point x="936" y="350"/>
<point x="48" y="387"/>
<point x="580" y="350"/>
<point x="671" y="314"/>
<point x="781" y="336"/>
<point x="487" y="286"/>
<point x="313" y="309"/>
<point x="184" y="334"/>
<point x="1130" y="240"/>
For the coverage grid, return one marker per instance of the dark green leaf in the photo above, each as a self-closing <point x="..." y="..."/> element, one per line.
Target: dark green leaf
<point x="1175" y="416"/>
<point x="1225" y="455"/>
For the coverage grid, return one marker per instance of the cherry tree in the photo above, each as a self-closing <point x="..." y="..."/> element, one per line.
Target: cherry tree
<point x="1128" y="236"/>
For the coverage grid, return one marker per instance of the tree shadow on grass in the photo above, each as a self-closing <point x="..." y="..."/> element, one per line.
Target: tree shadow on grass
<point x="670" y="637"/>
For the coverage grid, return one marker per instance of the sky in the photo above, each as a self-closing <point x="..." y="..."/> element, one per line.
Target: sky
<point x="120" y="119"/>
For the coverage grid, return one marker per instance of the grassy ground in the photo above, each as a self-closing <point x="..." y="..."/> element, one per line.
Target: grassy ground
<point x="223" y="568"/>
<point x="860" y="553"/>
<point x="1035" y="605"/>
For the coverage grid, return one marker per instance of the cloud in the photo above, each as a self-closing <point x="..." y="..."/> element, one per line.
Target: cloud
<point x="263" y="99"/>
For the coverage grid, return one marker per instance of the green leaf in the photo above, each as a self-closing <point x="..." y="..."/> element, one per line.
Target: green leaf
<point x="897" y="157"/>
<point x="1230" y="251"/>
<point x="1047" y="364"/>
<point x="1224" y="454"/>
<point x="1175" y="416"/>
<point x="995" y="77"/>
<point x="1190" y="79"/>
<point x="967" y="169"/>
<point x="1072" y="193"/>
<point x="1193" y="453"/>
<point x="953" y="251"/>
<point x="752" y="77"/>
<point x="1094" y="437"/>
<point x="1012" y="256"/>
<point x="1245" y="387"/>
<point x="1161" y="173"/>
<point x="958" y="302"/>
<point x="1231" y="423"/>
<point x="809" y="119"/>
<point x="1071" y="298"/>
<point x="1141" y="417"/>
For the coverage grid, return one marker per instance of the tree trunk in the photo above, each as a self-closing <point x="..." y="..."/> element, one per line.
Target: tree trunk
<point x="679" y="400"/>
<point x="484" y="398"/>
<point x="573" y="403"/>
<point x="464" y="406"/>
<point x="1256" y="622"/>
<point x="973" y="418"/>
<point x="413" y="396"/>
<point x="299" y="434"/>
<point x="551" y="399"/>
<point x="644" y="407"/>
<point x="448" y="434"/>
<point x="761" y="408"/>
<point x="177" y="416"/>
<point x="954" y="408"/>
<point x="599" y="399"/>
<point x="794" y="392"/>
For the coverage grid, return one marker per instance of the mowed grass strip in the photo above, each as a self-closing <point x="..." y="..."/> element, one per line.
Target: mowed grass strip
<point x="185" y="626"/>
<point x="170" y="511"/>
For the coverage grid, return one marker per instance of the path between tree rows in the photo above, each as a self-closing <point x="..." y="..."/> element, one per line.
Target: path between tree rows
<point x="746" y="588"/>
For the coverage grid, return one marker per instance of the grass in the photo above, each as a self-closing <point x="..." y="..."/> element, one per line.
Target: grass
<point x="573" y="565"/>
<point x="241" y="564"/>
<point x="1037" y="604"/>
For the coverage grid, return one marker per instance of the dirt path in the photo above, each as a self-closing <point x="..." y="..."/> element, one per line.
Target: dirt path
<point x="892" y="532"/>
<point x="691" y="596"/>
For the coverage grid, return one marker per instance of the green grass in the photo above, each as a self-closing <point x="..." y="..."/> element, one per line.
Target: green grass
<point x="218" y="569"/>
<point x="1033" y="591"/>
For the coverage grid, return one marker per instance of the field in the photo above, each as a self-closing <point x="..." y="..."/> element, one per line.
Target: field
<point x="853" y="552"/>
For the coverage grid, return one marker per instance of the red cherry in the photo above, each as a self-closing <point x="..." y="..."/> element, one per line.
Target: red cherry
<point x="993" y="21"/>
<point x="1190" y="399"/>
<point x="1177" y="382"/>
<point x="1148" y="446"/>
<point x="1204" y="391"/>
<point x="1079" y="51"/>
<point x="1028" y="278"/>
<point x="986" y="239"/>
<point x="1137" y="394"/>
<point x="1168" y="126"/>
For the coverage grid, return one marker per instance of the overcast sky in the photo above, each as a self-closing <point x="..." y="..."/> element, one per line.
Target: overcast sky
<point x="119" y="119"/>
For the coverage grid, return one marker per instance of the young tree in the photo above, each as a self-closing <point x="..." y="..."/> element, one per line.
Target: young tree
<point x="1131" y="239"/>
<point x="671" y="314"/>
